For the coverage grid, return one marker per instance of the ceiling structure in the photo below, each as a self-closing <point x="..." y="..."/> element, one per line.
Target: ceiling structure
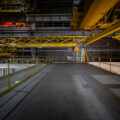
<point x="54" y="6"/>
<point x="41" y="41"/>
<point x="39" y="15"/>
<point x="37" y="6"/>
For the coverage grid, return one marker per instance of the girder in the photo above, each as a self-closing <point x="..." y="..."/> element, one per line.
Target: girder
<point x="117" y="36"/>
<point x="41" y="41"/>
<point x="97" y="10"/>
<point x="88" y="19"/>
<point x="103" y="34"/>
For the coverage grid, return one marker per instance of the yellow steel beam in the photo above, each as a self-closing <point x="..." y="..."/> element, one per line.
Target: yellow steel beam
<point x="104" y="33"/>
<point x="96" y="11"/>
<point x="45" y="45"/>
<point x="41" y="41"/>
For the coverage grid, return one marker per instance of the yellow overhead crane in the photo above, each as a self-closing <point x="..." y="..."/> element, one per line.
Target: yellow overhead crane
<point x="41" y="41"/>
<point x="97" y="10"/>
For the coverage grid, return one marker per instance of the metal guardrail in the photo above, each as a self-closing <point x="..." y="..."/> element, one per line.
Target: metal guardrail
<point x="44" y="59"/>
<point x="12" y="80"/>
<point x="41" y="61"/>
<point x="111" y="65"/>
<point x="8" y="82"/>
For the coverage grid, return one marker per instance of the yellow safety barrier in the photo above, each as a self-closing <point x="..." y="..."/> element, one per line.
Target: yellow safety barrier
<point x="8" y="75"/>
<point x="110" y="64"/>
<point x="105" y="63"/>
<point x="36" y="64"/>
<point x="48" y="59"/>
<point x="12" y="85"/>
<point x="27" y="67"/>
<point x="99" y="61"/>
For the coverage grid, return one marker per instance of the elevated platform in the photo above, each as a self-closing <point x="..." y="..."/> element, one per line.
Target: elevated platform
<point x="68" y="92"/>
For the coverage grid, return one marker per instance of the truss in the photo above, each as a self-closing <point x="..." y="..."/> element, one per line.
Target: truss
<point x="41" y="41"/>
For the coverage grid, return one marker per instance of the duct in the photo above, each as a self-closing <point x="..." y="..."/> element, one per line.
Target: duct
<point x="104" y="33"/>
<point x="97" y="10"/>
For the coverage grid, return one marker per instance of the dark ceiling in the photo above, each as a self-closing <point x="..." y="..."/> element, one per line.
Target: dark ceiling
<point x="52" y="6"/>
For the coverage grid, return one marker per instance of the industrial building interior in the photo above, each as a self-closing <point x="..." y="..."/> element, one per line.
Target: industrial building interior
<point x="59" y="59"/>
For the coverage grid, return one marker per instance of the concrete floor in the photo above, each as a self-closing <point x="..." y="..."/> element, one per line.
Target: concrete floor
<point x="72" y="92"/>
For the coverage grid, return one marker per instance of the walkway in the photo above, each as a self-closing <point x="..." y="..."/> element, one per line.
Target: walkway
<point x="72" y="92"/>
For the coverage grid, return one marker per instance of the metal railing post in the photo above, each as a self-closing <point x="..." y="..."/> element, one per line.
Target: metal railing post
<point x="42" y="65"/>
<point x="27" y="68"/>
<point x="36" y="64"/>
<point x="110" y="64"/>
<point x="41" y="59"/>
<point x="8" y="75"/>
<point x="99" y="61"/>
<point x="93" y="60"/>
<point x="84" y="56"/>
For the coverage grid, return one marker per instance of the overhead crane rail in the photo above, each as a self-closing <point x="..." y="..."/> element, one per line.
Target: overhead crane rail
<point x="41" y="41"/>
